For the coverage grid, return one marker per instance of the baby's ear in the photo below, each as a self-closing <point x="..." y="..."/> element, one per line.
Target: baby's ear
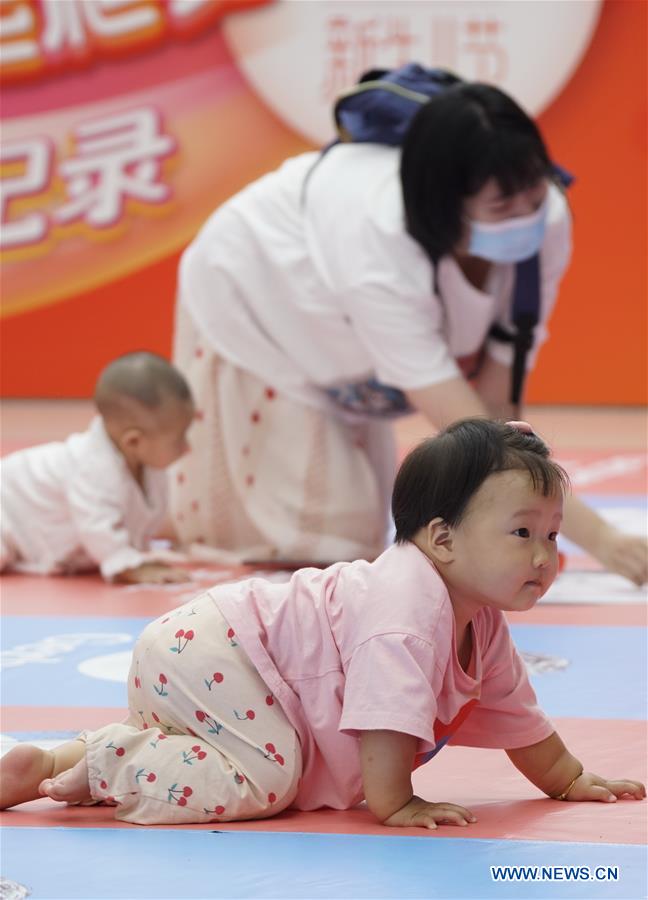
<point x="439" y="540"/>
<point x="129" y="439"/>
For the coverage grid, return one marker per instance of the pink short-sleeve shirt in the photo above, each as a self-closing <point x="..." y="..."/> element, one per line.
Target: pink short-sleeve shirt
<point x="363" y="646"/>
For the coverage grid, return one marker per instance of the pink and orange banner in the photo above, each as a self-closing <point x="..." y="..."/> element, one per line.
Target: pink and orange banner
<point x="126" y="122"/>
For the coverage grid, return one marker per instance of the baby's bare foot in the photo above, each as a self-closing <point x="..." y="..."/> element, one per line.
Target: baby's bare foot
<point x="70" y="786"/>
<point x="21" y="771"/>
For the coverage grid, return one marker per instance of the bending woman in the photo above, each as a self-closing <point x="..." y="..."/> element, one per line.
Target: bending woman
<point x="343" y="289"/>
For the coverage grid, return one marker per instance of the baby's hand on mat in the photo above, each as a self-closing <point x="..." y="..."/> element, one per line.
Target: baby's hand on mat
<point x="592" y="787"/>
<point x="153" y="573"/>
<point x="424" y="814"/>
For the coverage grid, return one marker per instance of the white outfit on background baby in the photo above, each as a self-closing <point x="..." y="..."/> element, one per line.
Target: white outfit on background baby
<point x="73" y="505"/>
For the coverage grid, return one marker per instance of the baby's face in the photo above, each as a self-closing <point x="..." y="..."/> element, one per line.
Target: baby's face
<point x="505" y="548"/>
<point x="165" y="442"/>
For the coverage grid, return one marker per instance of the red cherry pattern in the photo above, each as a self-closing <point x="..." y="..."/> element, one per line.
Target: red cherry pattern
<point x="119" y="751"/>
<point x="217" y="678"/>
<point x="213" y="726"/>
<point x="196" y="753"/>
<point x="184" y="638"/>
<point x="180" y="793"/>
<point x="160" y="689"/>
<point x="271" y="750"/>
<point x="160" y="737"/>
<point x="147" y="774"/>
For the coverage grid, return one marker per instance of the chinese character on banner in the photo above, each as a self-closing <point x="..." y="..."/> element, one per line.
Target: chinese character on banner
<point x="18" y="40"/>
<point x="37" y="36"/>
<point x="473" y="47"/>
<point x="365" y="45"/>
<point x="399" y="41"/>
<point x="118" y="158"/>
<point x="338" y="70"/>
<point x="444" y="43"/>
<point x="355" y="46"/>
<point x="26" y="168"/>
<point x="73" y="24"/>
<point x="181" y="11"/>
<point x="483" y="47"/>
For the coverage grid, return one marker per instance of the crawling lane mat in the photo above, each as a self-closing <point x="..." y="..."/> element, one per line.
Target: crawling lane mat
<point x="66" y="644"/>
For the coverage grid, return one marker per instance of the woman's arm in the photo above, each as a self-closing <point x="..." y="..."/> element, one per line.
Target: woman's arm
<point x="626" y="554"/>
<point x="488" y="394"/>
<point x="448" y="401"/>
<point x="552" y="768"/>
<point x="493" y="385"/>
<point x="386" y="760"/>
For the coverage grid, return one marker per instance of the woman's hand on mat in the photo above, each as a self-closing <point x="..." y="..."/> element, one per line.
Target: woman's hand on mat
<point x="153" y="573"/>
<point x="592" y="787"/>
<point x="625" y="554"/>
<point x="423" y="814"/>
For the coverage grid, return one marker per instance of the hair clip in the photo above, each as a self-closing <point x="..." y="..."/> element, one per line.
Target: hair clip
<point x="522" y="427"/>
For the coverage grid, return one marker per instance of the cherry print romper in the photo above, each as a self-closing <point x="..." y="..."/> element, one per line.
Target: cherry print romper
<point x="205" y="740"/>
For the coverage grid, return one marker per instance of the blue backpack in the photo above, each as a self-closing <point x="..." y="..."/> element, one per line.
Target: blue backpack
<point x="379" y="110"/>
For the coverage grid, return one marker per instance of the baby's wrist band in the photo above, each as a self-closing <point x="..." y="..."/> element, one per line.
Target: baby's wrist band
<point x="563" y="795"/>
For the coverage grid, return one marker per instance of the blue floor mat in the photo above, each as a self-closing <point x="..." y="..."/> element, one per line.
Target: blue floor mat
<point x="157" y="864"/>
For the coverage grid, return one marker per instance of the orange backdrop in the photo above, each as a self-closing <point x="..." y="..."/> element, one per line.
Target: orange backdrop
<point x="597" y="352"/>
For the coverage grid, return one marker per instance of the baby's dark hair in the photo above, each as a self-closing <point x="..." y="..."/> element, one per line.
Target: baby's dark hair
<point x="142" y="376"/>
<point x="438" y="477"/>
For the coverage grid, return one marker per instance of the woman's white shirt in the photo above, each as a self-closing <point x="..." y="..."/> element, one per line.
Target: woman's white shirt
<point x="308" y="279"/>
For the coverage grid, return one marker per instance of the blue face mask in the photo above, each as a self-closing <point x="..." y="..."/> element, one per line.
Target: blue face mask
<point x="511" y="240"/>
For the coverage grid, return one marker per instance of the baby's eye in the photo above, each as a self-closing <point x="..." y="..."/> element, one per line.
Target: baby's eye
<point x="522" y="532"/>
<point x="553" y="536"/>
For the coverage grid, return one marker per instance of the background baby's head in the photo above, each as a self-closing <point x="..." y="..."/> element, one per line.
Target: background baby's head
<point x="147" y="408"/>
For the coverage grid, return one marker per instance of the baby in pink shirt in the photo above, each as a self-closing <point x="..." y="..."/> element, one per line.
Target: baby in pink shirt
<point x="333" y="687"/>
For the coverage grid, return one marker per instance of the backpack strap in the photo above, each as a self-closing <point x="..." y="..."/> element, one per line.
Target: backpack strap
<point x="525" y="315"/>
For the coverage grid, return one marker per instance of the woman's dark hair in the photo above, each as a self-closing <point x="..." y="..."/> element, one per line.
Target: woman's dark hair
<point x="457" y="141"/>
<point x="438" y="477"/>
